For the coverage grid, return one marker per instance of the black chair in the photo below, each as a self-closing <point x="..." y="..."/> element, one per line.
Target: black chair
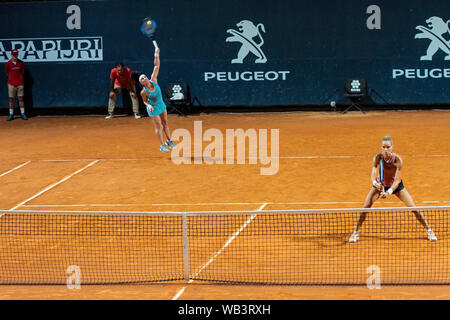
<point x="355" y="89"/>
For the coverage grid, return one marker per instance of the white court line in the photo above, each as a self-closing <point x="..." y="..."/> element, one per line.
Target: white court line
<point x="98" y="159"/>
<point x="13" y="169"/>
<point x="360" y="156"/>
<point x="247" y="158"/>
<point x="438" y="201"/>
<point x="149" y="204"/>
<point x="245" y="203"/>
<point x="178" y="294"/>
<point x="321" y="157"/>
<point x="210" y="204"/>
<point x="54" y="185"/>
<point x="220" y="251"/>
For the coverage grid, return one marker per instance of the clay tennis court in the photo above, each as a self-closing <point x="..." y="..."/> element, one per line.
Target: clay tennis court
<point x="89" y="164"/>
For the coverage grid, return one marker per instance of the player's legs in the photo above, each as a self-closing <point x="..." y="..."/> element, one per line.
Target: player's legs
<point x="407" y="199"/>
<point x="165" y="124"/>
<point x="371" y="197"/>
<point x="404" y="196"/>
<point x="158" y="128"/>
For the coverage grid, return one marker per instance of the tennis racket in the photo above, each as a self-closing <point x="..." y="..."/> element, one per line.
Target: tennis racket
<point x="382" y="173"/>
<point x="148" y="28"/>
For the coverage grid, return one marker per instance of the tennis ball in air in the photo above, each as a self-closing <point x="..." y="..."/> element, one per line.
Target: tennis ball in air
<point x="333" y="104"/>
<point x="149" y="22"/>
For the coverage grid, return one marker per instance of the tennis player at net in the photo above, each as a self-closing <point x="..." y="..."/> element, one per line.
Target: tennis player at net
<point x="389" y="182"/>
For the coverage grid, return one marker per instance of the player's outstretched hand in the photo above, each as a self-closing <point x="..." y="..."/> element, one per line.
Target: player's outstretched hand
<point x="383" y="195"/>
<point x="379" y="186"/>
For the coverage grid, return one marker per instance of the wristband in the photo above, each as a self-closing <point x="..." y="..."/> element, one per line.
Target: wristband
<point x="156" y="55"/>
<point x="390" y="191"/>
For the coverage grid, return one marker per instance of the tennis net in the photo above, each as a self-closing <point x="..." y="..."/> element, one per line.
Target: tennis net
<point x="266" y="247"/>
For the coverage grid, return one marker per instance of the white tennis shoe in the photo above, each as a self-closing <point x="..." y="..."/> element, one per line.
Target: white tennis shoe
<point x="431" y="235"/>
<point x="354" y="237"/>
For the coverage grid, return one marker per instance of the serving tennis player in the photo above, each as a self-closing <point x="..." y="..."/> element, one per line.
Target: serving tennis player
<point x="156" y="108"/>
<point x="389" y="182"/>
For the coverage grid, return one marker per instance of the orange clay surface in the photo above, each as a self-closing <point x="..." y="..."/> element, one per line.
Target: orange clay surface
<point x="325" y="162"/>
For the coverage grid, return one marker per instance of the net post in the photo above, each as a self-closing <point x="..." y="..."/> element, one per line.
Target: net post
<point x="185" y="247"/>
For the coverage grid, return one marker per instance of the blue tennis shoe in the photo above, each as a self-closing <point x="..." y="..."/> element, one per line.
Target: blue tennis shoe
<point x="163" y="148"/>
<point x="170" y="144"/>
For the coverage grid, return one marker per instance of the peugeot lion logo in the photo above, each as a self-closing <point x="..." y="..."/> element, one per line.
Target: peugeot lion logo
<point x="251" y="40"/>
<point x="437" y="28"/>
<point x="248" y="31"/>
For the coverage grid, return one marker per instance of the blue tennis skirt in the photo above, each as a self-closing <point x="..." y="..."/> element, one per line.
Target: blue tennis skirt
<point x="158" y="109"/>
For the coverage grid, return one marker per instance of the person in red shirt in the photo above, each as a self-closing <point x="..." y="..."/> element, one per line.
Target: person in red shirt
<point x="15" y="69"/>
<point x="121" y="79"/>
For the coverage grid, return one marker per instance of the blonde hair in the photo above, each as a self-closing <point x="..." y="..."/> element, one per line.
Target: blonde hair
<point x="387" y="138"/>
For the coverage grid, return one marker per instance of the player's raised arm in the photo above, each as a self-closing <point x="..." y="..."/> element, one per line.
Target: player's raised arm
<point x="156" y="66"/>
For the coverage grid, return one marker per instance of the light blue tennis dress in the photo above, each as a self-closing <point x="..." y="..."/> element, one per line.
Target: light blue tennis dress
<point x="155" y="99"/>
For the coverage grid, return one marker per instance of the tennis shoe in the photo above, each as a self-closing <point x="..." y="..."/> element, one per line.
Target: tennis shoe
<point x="163" y="148"/>
<point x="24" y="117"/>
<point x="170" y="144"/>
<point x="431" y="235"/>
<point x="109" y="116"/>
<point x="354" y="237"/>
<point x="11" y="117"/>
<point x="137" y="115"/>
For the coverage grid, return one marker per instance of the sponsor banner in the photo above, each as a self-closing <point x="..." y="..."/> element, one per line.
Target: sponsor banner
<point x="246" y="76"/>
<point x="55" y="49"/>
<point x="296" y="53"/>
<point x="435" y="73"/>
<point x="436" y="32"/>
<point x="250" y="40"/>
